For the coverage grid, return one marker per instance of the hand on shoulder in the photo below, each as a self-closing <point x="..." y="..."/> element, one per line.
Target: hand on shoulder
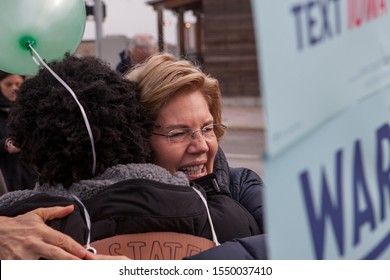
<point x="28" y="237"/>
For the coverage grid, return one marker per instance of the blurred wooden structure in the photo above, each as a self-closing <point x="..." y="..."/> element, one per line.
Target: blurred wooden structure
<point x="224" y="41"/>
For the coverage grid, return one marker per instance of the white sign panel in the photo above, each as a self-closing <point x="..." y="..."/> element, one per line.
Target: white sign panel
<point x="317" y="58"/>
<point x="329" y="196"/>
<point x="325" y="72"/>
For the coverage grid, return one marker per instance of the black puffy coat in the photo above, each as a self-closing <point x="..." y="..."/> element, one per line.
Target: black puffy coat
<point x="247" y="248"/>
<point x="243" y="185"/>
<point x="246" y="187"/>
<point x="136" y="198"/>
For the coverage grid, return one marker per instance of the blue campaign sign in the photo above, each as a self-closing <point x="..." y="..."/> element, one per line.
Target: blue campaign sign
<point x="325" y="75"/>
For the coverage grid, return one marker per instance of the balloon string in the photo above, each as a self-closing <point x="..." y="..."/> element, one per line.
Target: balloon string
<point x="213" y="233"/>
<point x="88" y="221"/>
<point x="42" y="62"/>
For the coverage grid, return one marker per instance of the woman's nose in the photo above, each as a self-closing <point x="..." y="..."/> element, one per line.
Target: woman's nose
<point x="198" y="143"/>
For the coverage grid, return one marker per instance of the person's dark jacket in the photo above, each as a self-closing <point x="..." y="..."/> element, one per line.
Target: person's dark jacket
<point x="17" y="176"/>
<point x="246" y="187"/>
<point x="136" y="198"/>
<point x="243" y="185"/>
<point x="125" y="62"/>
<point x="247" y="248"/>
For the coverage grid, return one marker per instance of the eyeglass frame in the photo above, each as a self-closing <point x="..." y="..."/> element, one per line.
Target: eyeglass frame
<point x="189" y="132"/>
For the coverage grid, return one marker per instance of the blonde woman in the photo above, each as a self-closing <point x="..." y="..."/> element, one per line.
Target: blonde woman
<point x="185" y="105"/>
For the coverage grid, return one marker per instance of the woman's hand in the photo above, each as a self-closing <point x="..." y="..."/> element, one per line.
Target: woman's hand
<point x="28" y="237"/>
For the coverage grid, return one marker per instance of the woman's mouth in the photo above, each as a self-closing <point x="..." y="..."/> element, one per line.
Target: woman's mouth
<point x="192" y="170"/>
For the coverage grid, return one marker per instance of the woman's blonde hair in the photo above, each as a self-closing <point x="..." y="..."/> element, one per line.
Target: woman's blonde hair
<point x="162" y="76"/>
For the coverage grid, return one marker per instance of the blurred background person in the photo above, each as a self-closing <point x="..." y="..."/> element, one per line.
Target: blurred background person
<point x="139" y="48"/>
<point x="16" y="174"/>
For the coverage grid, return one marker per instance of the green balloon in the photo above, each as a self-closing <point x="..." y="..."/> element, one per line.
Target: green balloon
<point x="52" y="27"/>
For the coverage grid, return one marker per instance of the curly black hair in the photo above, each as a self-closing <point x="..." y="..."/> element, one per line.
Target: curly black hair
<point x="47" y="124"/>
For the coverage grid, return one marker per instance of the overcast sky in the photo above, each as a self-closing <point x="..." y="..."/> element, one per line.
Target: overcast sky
<point x="129" y="17"/>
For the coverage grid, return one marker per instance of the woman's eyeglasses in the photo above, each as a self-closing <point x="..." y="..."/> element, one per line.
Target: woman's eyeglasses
<point x="180" y="134"/>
